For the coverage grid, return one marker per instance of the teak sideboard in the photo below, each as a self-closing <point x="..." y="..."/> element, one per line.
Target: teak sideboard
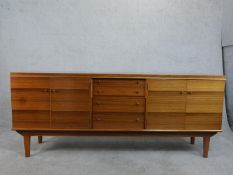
<point x="136" y="105"/>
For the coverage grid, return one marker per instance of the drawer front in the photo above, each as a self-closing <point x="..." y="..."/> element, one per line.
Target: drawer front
<point x="119" y="87"/>
<point x="118" y="104"/>
<point x="203" y="121"/>
<point x="205" y="85"/>
<point x="30" y="82"/>
<point x="31" y="119"/>
<point x="166" y="85"/>
<point x="165" y="121"/>
<point x="70" y="83"/>
<point x="166" y="102"/>
<point x="70" y="120"/>
<point x="118" y="121"/>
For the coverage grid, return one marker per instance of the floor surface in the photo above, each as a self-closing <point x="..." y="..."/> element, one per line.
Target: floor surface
<point x="115" y="156"/>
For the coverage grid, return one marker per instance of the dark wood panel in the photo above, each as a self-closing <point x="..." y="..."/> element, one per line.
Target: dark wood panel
<point x="165" y="121"/>
<point x="118" y="121"/>
<point x="118" y="104"/>
<point x="30" y="94"/>
<point x="70" y="106"/>
<point x="119" y="87"/>
<point x="30" y="82"/>
<point x="71" y="120"/>
<point x="71" y="100"/>
<point x="30" y="105"/>
<point x="204" y="121"/>
<point x="71" y="95"/>
<point x="70" y="83"/>
<point x="31" y="119"/>
<point x="166" y="102"/>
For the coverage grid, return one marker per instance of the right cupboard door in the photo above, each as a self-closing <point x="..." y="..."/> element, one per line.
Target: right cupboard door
<point x="184" y="104"/>
<point x="204" y="104"/>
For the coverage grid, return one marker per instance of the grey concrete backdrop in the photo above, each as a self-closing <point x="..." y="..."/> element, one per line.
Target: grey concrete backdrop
<point x="227" y="23"/>
<point x="162" y="36"/>
<point x="227" y="43"/>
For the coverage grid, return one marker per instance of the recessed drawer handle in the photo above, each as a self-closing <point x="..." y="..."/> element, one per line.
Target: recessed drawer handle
<point x="137" y="103"/>
<point x="190" y="93"/>
<point x="137" y="92"/>
<point x="137" y="120"/>
<point x="99" y="119"/>
<point x="97" y="103"/>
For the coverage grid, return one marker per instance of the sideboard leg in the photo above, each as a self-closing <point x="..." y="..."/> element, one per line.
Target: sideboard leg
<point x="206" y="142"/>
<point x="40" y="139"/>
<point x="27" y="140"/>
<point x="192" y="140"/>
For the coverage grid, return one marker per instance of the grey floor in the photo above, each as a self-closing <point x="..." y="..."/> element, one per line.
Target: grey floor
<point x="110" y="156"/>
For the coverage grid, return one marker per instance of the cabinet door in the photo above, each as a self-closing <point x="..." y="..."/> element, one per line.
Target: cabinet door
<point x="205" y="96"/>
<point x="70" y="103"/>
<point x="30" y="102"/>
<point x="166" y="104"/>
<point x="166" y="95"/>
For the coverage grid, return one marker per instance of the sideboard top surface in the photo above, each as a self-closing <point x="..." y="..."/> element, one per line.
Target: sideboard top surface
<point x="108" y="75"/>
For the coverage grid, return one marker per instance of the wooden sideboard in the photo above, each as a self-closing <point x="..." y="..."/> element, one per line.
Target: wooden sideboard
<point x="137" y="105"/>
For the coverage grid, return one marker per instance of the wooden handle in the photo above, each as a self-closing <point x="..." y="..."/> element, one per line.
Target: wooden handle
<point x="137" y="103"/>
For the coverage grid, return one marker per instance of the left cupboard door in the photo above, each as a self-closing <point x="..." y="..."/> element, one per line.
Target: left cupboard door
<point x="71" y="103"/>
<point x="30" y="98"/>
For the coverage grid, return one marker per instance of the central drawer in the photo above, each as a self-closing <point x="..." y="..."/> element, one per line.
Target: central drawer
<point x="119" y="87"/>
<point x="118" y="104"/>
<point x="118" y="120"/>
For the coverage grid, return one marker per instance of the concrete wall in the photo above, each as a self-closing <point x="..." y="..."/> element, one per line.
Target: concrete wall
<point x="227" y="42"/>
<point x="132" y="36"/>
<point x="227" y="29"/>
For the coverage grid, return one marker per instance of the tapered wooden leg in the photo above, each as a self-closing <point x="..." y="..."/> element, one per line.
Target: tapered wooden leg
<point x="206" y="142"/>
<point x="40" y="139"/>
<point x="27" y="141"/>
<point x="192" y="140"/>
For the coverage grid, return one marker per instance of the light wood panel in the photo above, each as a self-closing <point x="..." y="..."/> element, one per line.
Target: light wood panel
<point x="118" y="104"/>
<point x="118" y="120"/>
<point x="166" y="85"/>
<point x="166" y="102"/>
<point x="119" y="87"/>
<point x="205" y="102"/>
<point x="165" y="121"/>
<point x="205" y="85"/>
<point x="210" y="121"/>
